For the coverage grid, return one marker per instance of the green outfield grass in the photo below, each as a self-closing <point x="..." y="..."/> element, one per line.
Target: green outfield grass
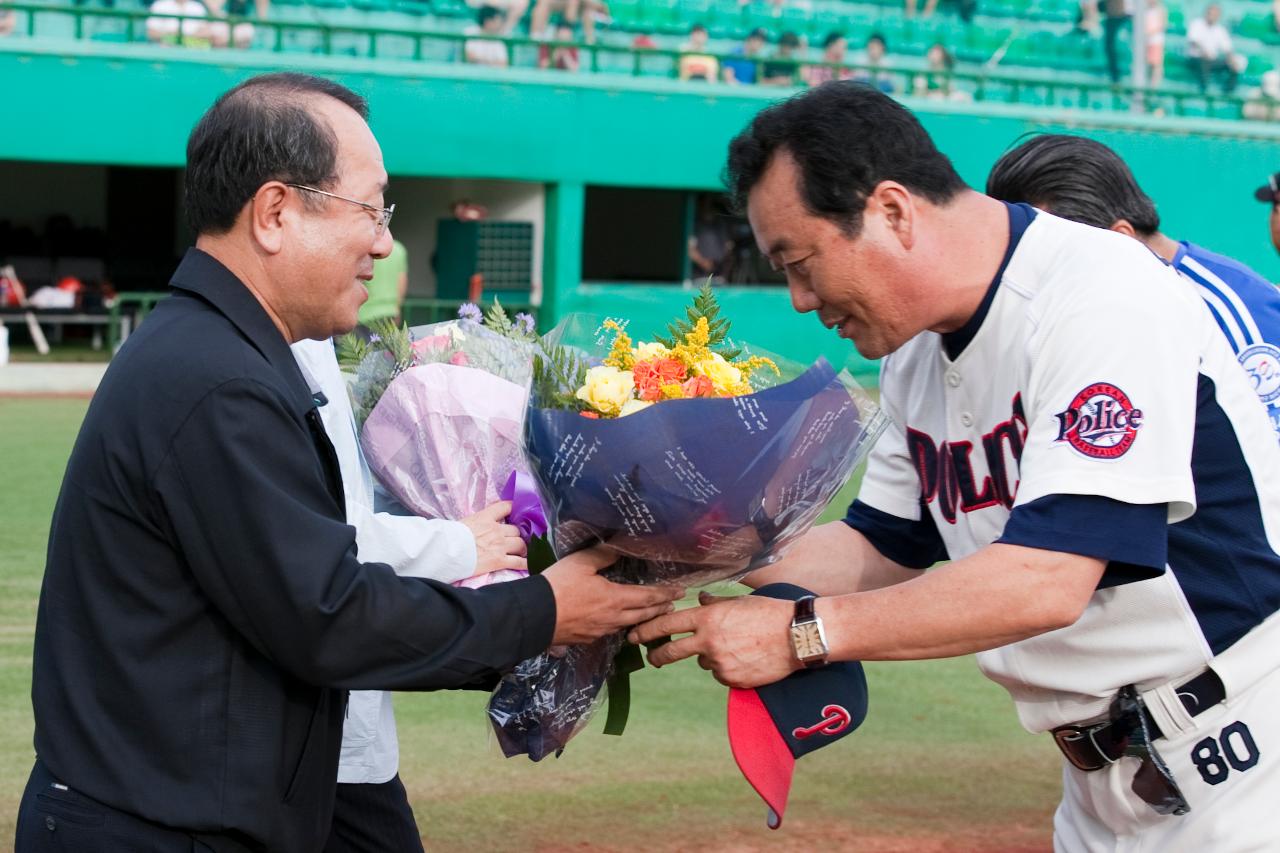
<point x="940" y="764"/>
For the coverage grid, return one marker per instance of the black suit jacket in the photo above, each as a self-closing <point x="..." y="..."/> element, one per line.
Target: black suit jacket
<point x="203" y="607"/>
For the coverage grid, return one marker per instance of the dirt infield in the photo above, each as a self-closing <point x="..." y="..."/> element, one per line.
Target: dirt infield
<point x="840" y="836"/>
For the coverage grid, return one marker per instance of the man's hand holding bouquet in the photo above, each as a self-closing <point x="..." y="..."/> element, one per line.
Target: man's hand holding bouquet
<point x="691" y="459"/>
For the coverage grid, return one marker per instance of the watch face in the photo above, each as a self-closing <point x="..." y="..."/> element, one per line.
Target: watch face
<point x="808" y="640"/>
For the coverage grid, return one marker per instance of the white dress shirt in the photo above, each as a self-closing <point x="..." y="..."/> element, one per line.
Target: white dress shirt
<point x="1207" y="41"/>
<point x="414" y="547"/>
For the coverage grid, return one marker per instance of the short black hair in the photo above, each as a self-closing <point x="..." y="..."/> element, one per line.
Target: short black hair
<point x="1076" y="178"/>
<point x="832" y="38"/>
<point x="487" y="13"/>
<point x="698" y="28"/>
<point x="758" y="33"/>
<point x="260" y="131"/>
<point x="880" y="38"/>
<point x="846" y="138"/>
<point x="789" y="39"/>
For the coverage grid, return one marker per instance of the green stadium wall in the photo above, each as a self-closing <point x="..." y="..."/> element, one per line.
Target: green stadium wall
<point x="114" y="104"/>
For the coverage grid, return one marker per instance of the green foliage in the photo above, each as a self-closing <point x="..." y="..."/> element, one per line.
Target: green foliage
<point x="352" y="350"/>
<point x="558" y="373"/>
<point x="706" y="305"/>
<point x="386" y="335"/>
<point x="373" y="375"/>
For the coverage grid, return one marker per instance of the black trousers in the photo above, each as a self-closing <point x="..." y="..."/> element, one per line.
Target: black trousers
<point x="53" y="817"/>
<point x="373" y="819"/>
<point x="1205" y="68"/>
<point x="1111" y="28"/>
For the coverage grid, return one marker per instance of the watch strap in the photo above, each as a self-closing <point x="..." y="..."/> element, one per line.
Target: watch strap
<point x="804" y="610"/>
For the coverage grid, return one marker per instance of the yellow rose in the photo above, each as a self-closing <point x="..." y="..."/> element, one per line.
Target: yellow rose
<point x="726" y="378"/>
<point x="607" y="389"/>
<point x="646" y="350"/>
<point x="632" y="406"/>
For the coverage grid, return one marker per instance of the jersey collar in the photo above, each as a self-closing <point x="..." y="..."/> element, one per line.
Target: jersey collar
<point x="954" y="343"/>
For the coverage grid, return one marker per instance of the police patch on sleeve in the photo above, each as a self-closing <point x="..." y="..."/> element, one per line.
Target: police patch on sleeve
<point x="1100" y="422"/>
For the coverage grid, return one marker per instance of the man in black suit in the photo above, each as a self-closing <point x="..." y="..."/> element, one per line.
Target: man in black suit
<point x="203" y="608"/>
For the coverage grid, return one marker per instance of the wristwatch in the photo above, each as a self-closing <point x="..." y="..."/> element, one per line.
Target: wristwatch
<point x="808" y="640"/>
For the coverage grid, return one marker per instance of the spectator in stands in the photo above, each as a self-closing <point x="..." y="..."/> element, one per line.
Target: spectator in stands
<point x="835" y="48"/>
<point x="512" y="11"/>
<point x="1266" y="106"/>
<point x="1089" y="18"/>
<point x="744" y="70"/>
<point x="197" y="30"/>
<point x="1210" y="52"/>
<point x="696" y="63"/>
<point x="781" y="69"/>
<point x="242" y="32"/>
<point x="589" y="10"/>
<point x="930" y="6"/>
<point x="710" y="244"/>
<point x="936" y="81"/>
<point x="1117" y="17"/>
<point x="644" y="41"/>
<point x="8" y="20"/>
<point x="487" y="51"/>
<point x="964" y="8"/>
<point x="1157" y="25"/>
<point x="875" y="73"/>
<point x="1270" y="193"/>
<point x="563" y="57"/>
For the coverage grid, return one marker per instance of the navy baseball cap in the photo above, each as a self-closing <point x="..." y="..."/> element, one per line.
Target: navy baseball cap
<point x="1269" y="192"/>
<point x="771" y="726"/>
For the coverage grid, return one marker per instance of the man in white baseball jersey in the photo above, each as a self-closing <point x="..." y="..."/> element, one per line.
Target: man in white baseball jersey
<point x="1073" y="433"/>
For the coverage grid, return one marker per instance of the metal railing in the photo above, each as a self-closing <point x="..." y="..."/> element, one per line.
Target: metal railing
<point x="331" y="38"/>
<point x="127" y="311"/>
<point x="131" y="307"/>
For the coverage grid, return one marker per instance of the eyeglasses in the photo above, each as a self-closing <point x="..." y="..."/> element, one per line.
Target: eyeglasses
<point x="383" y="214"/>
<point x="1126" y="732"/>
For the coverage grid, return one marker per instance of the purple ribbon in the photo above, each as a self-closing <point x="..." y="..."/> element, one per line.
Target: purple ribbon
<point x="526" y="507"/>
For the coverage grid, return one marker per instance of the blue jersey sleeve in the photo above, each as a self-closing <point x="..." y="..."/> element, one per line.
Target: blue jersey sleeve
<point x="1132" y="538"/>
<point x="913" y="544"/>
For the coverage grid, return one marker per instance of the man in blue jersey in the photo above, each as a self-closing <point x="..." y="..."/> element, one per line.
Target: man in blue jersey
<point x="1270" y="193"/>
<point x="1085" y="181"/>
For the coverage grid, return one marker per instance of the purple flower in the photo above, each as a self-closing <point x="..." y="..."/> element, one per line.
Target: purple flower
<point x="525" y="323"/>
<point x="469" y="311"/>
<point x="375" y="338"/>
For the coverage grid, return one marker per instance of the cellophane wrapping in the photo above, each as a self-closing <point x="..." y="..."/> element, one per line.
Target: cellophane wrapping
<point x="443" y="430"/>
<point x="686" y="492"/>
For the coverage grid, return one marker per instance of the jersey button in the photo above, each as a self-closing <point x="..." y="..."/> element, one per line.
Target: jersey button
<point x="953" y="379"/>
<point x="966" y="419"/>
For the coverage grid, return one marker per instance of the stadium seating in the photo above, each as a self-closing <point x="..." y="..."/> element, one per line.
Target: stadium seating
<point x="1034" y="42"/>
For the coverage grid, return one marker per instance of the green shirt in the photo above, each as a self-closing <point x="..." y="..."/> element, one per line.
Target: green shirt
<point x="384" y="287"/>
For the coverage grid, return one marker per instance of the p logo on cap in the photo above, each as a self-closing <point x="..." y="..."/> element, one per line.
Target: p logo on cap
<point x="771" y="726"/>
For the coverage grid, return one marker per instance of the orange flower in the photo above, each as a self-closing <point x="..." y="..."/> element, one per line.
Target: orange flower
<point x="699" y="386"/>
<point x="595" y="416"/>
<point x="651" y="375"/>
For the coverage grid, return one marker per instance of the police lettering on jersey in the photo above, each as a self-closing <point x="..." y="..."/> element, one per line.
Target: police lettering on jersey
<point x="1100" y="422"/>
<point x="946" y="469"/>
